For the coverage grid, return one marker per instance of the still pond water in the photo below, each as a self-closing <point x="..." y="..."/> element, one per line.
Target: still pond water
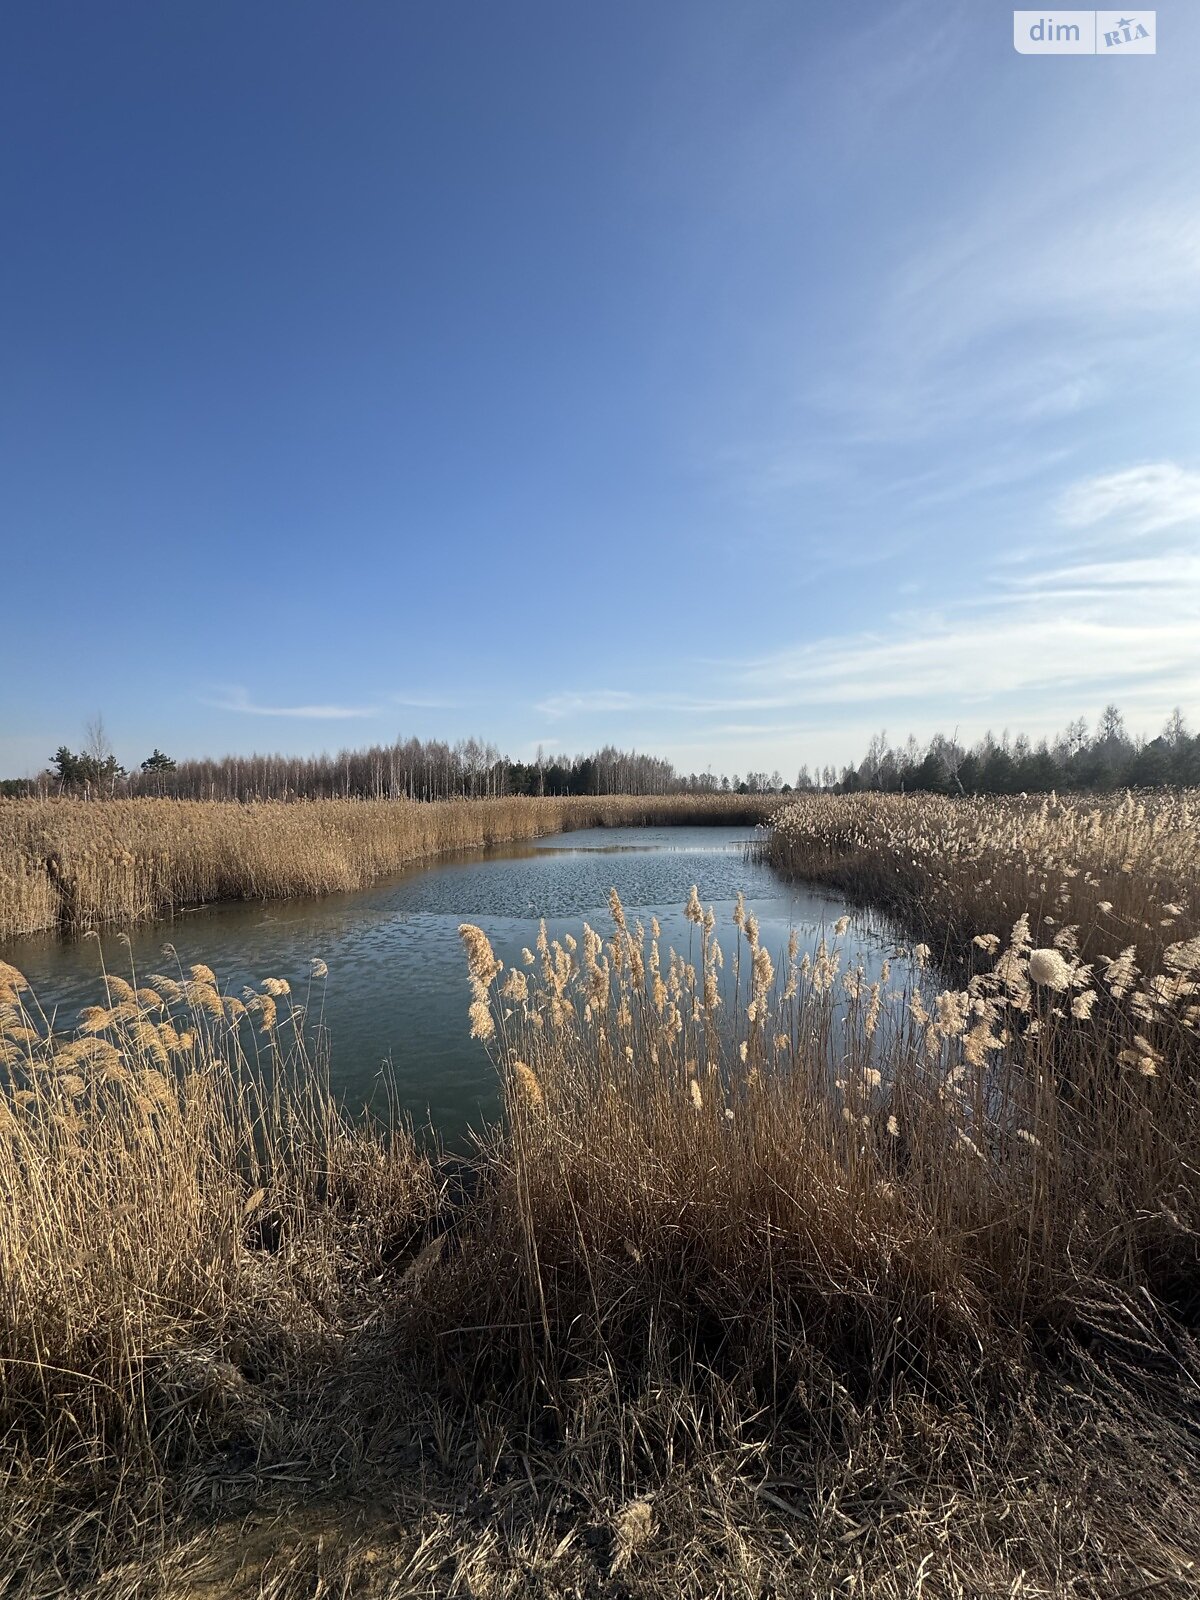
<point x="397" y="992"/>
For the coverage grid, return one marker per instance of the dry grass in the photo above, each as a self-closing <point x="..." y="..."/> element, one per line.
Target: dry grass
<point x="184" y="1217"/>
<point x="832" y="1288"/>
<point x="878" y="1252"/>
<point x="1123" y="870"/>
<point x="75" y="864"/>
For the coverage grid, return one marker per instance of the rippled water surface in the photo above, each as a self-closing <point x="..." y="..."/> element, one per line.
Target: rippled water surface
<point x="397" y="989"/>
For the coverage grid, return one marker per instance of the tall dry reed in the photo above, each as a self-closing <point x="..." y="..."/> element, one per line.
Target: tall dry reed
<point x="1122" y="870"/>
<point x="796" y="1280"/>
<point x="75" y="864"/>
<point x="895" y="1242"/>
<point x="184" y="1217"/>
<point x="911" y="1175"/>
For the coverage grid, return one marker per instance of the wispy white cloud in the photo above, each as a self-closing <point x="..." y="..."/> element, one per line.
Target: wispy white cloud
<point x="1139" y="499"/>
<point x="998" y="472"/>
<point x="581" y="702"/>
<point x="1088" y="631"/>
<point x="1154" y="574"/>
<point x="964" y="657"/>
<point x="1043" y="253"/>
<point x="590" y="703"/>
<point x="238" y="699"/>
<point x="1029" y="299"/>
<point x="235" y="698"/>
<point x="423" y="702"/>
<point x="1051" y="629"/>
<point x="1030" y="644"/>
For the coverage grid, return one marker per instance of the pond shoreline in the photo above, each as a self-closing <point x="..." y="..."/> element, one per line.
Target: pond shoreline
<point x="72" y="865"/>
<point x="846" y="1326"/>
<point x="393" y="1003"/>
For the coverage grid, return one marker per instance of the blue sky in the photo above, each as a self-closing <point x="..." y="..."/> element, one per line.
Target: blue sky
<point x="729" y="381"/>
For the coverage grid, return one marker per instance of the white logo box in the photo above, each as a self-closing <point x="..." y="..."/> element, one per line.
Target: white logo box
<point x="1085" y="33"/>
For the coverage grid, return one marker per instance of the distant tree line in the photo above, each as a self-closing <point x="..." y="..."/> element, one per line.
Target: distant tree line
<point x="411" y="769"/>
<point x="1106" y="757"/>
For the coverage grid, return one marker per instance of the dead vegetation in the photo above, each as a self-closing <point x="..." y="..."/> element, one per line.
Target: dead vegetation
<point x="76" y="864"/>
<point x="804" y="1285"/>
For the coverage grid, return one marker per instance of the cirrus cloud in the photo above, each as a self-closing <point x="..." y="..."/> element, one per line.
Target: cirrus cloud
<point x="238" y="699"/>
<point x="1140" y="499"/>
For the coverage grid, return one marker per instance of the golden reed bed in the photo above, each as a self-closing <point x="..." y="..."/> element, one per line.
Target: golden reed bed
<point x="834" y="1285"/>
<point x="74" y="864"/>
<point x="1123" y="869"/>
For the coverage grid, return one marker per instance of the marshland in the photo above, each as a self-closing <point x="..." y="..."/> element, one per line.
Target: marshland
<point x="860" y="1260"/>
<point x="71" y="864"/>
<point x="599" y="803"/>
